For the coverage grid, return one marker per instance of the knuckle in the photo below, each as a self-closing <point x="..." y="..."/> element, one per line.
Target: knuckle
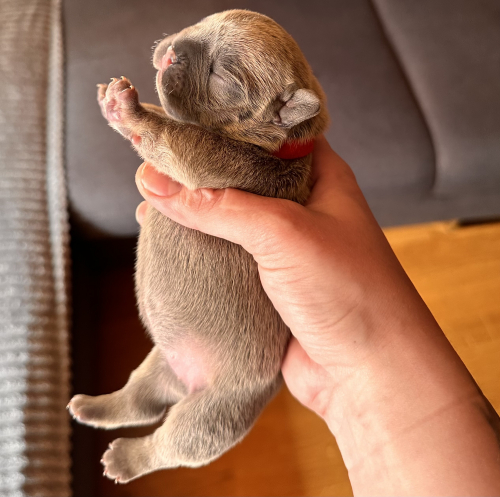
<point x="282" y="226"/>
<point x="286" y="217"/>
<point x="200" y="201"/>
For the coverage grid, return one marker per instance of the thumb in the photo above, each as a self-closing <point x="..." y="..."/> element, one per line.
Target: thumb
<point x="306" y="380"/>
<point x="243" y="218"/>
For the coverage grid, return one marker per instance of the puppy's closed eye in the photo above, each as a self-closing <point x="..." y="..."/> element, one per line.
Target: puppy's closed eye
<point x="225" y="86"/>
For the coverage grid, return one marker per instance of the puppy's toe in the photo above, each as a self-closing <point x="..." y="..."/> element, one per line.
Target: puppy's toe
<point x="101" y="91"/>
<point x="120" y="86"/>
<point x="86" y="409"/>
<point x="120" y="101"/>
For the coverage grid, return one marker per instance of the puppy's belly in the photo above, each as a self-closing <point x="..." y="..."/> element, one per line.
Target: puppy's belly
<point x="190" y="364"/>
<point x="201" y="299"/>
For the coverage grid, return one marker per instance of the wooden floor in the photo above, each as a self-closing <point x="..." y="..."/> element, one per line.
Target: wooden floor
<point x="290" y="451"/>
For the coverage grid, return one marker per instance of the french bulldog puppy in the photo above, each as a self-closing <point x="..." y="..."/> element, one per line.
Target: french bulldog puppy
<point x="240" y="108"/>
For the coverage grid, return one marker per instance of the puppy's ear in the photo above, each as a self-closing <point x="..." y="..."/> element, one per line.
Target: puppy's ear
<point x="299" y="106"/>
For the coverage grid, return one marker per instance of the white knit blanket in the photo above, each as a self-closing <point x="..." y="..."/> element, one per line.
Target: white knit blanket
<point x="34" y="428"/>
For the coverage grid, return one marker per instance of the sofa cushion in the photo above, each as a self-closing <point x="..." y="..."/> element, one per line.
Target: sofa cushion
<point x="450" y="50"/>
<point x="376" y="125"/>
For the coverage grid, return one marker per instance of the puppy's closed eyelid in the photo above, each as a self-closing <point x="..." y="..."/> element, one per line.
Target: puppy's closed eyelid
<point x="214" y="75"/>
<point x="214" y="65"/>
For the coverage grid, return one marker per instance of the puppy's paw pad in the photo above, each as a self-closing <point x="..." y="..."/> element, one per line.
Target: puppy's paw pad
<point x="120" y="100"/>
<point x="118" y="461"/>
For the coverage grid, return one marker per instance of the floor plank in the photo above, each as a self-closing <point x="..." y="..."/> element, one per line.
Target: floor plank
<point x="290" y="451"/>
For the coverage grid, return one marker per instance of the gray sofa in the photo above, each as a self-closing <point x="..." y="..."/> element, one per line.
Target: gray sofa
<point x="413" y="90"/>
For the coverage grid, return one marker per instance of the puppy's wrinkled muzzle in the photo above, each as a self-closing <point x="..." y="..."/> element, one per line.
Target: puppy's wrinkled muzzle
<point x="170" y="77"/>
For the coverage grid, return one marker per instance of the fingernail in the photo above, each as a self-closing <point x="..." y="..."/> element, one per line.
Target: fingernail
<point x="157" y="183"/>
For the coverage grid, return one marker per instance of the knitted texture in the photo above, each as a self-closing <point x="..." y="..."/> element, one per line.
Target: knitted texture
<point x="34" y="358"/>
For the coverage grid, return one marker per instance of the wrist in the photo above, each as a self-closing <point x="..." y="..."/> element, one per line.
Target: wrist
<point x="402" y="414"/>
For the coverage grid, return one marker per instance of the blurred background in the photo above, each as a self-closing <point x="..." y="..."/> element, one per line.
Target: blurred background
<point x="413" y="90"/>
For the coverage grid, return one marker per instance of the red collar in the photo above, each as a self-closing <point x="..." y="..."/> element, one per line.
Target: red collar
<point x="294" y="149"/>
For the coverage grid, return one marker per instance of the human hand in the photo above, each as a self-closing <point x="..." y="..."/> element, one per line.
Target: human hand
<point x="366" y="353"/>
<point x="326" y="266"/>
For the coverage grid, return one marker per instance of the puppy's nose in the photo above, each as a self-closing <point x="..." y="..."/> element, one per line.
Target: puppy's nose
<point x="169" y="58"/>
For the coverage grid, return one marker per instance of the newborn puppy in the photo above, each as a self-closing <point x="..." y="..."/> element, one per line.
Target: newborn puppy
<point x="241" y="108"/>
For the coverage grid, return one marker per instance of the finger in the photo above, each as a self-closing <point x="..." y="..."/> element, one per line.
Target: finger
<point x="140" y="212"/>
<point x="327" y="163"/>
<point x="304" y="378"/>
<point x="331" y="176"/>
<point x="249" y="220"/>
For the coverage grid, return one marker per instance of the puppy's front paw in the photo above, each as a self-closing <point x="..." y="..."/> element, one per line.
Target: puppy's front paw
<point x="125" y="460"/>
<point x="119" y="101"/>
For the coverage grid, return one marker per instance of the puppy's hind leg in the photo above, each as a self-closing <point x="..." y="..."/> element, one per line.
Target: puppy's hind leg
<point x="197" y="430"/>
<point x="143" y="400"/>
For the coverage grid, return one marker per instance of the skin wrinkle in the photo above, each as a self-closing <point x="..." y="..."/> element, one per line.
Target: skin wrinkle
<point x="370" y="452"/>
